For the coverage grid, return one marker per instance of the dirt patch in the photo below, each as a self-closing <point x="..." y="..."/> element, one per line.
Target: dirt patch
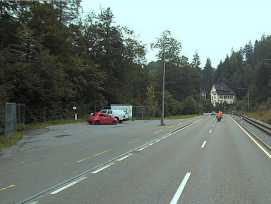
<point x="37" y="131"/>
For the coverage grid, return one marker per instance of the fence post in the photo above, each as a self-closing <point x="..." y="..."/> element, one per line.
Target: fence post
<point x="19" y="112"/>
<point x="10" y="119"/>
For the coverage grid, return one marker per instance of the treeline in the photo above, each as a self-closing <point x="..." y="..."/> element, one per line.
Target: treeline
<point x="248" y="73"/>
<point x="52" y="60"/>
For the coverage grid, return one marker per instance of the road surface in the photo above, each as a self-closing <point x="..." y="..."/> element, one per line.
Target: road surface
<point x="203" y="162"/>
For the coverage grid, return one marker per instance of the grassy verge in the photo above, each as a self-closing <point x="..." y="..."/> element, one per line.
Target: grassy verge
<point x="22" y="130"/>
<point x="264" y="116"/>
<point x="4" y="143"/>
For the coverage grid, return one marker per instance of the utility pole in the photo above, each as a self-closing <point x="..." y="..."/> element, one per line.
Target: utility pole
<point x="200" y="100"/>
<point x="164" y="73"/>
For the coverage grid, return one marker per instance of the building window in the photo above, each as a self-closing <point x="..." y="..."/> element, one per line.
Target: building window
<point x="231" y="97"/>
<point x="225" y="97"/>
<point x="221" y="97"/>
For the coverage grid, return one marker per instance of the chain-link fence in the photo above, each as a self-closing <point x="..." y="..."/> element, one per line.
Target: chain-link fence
<point x="47" y="112"/>
<point x="143" y="111"/>
<point x="10" y="119"/>
<point x="20" y="112"/>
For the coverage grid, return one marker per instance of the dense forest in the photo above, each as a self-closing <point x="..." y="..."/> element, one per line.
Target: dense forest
<point x="51" y="60"/>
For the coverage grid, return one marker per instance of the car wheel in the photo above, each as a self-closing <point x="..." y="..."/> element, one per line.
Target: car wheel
<point x="97" y="122"/>
<point x="114" y="122"/>
<point x="90" y="123"/>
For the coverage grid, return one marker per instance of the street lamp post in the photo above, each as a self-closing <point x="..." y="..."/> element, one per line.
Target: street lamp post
<point x="200" y="100"/>
<point x="164" y="73"/>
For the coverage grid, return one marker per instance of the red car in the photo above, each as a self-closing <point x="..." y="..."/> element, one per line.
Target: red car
<point x="102" y="118"/>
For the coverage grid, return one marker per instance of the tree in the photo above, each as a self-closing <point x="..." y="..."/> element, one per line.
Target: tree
<point x="191" y="106"/>
<point x="68" y="10"/>
<point x="196" y="61"/>
<point x="208" y="75"/>
<point x="249" y="54"/>
<point x="168" y="45"/>
<point x="262" y="82"/>
<point x="151" y="99"/>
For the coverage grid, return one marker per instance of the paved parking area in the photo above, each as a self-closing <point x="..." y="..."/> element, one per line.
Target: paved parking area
<point x="59" y="135"/>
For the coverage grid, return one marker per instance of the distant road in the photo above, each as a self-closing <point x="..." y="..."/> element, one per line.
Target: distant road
<point x="205" y="162"/>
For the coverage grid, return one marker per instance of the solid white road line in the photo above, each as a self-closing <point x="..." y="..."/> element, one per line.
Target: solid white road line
<point x="210" y="131"/>
<point x="122" y="158"/>
<point x="67" y="186"/>
<point x="202" y="146"/>
<point x="104" y="167"/>
<point x="180" y="189"/>
<point x="252" y="139"/>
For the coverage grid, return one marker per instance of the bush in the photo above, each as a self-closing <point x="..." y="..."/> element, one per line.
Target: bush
<point x="190" y="106"/>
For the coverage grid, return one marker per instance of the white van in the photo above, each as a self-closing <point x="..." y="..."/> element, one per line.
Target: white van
<point x="128" y="109"/>
<point x="120" y="115"/>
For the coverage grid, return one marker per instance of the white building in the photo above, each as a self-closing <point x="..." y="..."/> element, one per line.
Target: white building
<point x="221" y="93"/>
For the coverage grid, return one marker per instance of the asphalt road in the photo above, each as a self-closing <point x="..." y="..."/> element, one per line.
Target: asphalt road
<point x="206" y="162"/>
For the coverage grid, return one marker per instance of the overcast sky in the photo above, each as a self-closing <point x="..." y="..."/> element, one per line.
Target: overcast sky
<point x="211" y="27"/>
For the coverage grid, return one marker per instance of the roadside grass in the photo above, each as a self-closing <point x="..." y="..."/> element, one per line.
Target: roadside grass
<point x="4" y="143"/>
<point x="264" y="116"/>
<point x="22" y="130"/>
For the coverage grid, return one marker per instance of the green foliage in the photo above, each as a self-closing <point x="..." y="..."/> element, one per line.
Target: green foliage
<point x="191" y="106"/>
<point x="51" y="60"/>
<point x="248" y="72"/>
<point x="151" y="99"/>
<point x="168" y="47"/>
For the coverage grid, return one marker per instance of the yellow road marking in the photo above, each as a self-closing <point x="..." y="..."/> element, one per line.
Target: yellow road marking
<point x="100" y="153"/>
<point x="171" y="127"/>
<point x="10" y="186"/>
<point x="135" y="140"/>
<point x="158" y="131"/>
<point x="93" y="156"/>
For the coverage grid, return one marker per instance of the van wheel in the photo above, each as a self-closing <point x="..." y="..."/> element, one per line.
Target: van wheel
<point x="120" y="121"/>
<point x="97" y="122"/>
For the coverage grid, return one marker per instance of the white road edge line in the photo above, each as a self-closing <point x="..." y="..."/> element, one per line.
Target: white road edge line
<point x="122" y="158"/>
<point x="252" y="139"/>
<point x="202" y="146"/>
<point x="104" y="167"/>
<point x="67" y="186"/>
<point x="180" y="189"/>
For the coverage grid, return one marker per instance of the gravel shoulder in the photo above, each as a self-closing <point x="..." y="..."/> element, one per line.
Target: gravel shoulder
<point x="259" y="134"/>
